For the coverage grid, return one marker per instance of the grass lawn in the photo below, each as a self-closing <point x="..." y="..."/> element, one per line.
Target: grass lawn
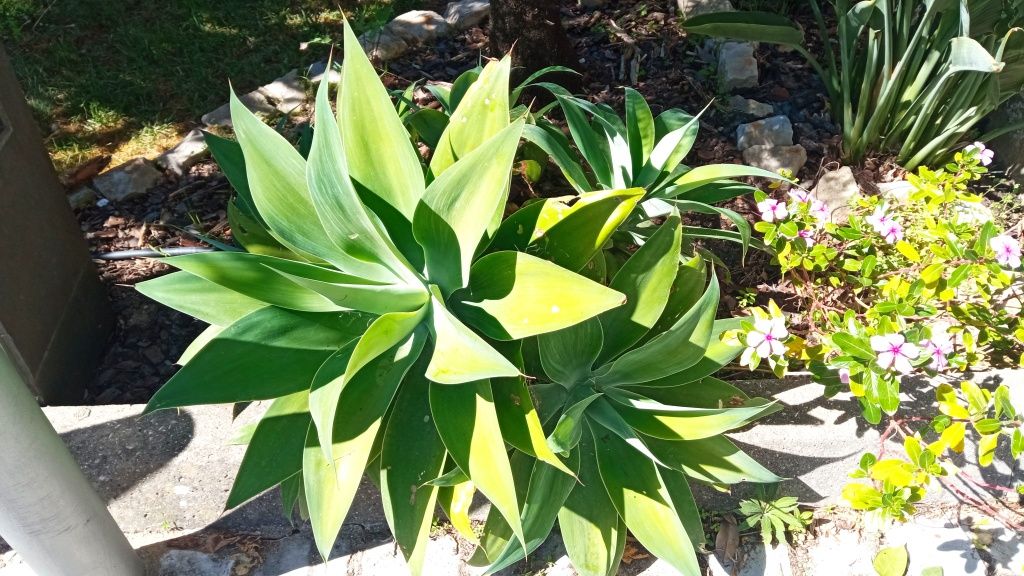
<point x="129" y="77"/>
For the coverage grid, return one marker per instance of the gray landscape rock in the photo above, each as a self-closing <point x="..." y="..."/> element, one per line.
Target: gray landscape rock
<point x="774" y="131"/>
<point x="287" y="92"/>
<point x="465" y="14"/>
<point x="383" y="45"/>
<point x="254" y="101"/>
<point x="418" y="26"/>
<point x="316" y="70"/>
<point x="737" y="67"/>
<point x="750" y="107"/>
<point x="836" y="189"/>
<point x="131" y="179"/>
<point x="691" y="8"/>
<point x="772" y="158"/>
<point x="179" y="159"/>
<point x="81" y="198"/>
<point x="194" y="563"/>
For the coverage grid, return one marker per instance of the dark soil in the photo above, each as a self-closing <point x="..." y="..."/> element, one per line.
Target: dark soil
<point x="149" y="337"/>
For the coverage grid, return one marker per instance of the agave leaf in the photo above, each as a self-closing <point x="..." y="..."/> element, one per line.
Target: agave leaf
<point x="275" y="449"/>
<point x="638" y="493"/>
<point x="456" y="502"/>
<point x="668" y="153"/>
<point x="196" y="345"/>
<point x="520" y="424"/>
<point x="687" y="289"/>
<point x="277" y="179"/>
<point x="680" y="347"/>
<point x="331" y="486"/>
<point x="481" y="114"/>
<point x="231" y="160"/>
<point x="267" y="354"/>
<point x="639" y="129"/>
<point x="200" y="298"/>
<point x="569" y="429"/>
<point x="460" y="355"/>
<point x="497" y="533"/>
<point x="714" y="460"/>
<point x="339" y="207"/>
<point x="671" y="422"/>
<point x="512" y="295"/>
<point x="646" y="279"/>
<point x="568" y="355"/>
<point x="365" y="297"/>
<point x="548" y="490"/>
<point x="410" y="452"/>
<point x="381" y="158"/>
<point x="601" y="412"/>
<point x="393" y="330"/>
<point x="458" y="206"/>
<point x="258" y="277"/>
<point x="468" y="424"/>
<point x="717" y="355"/>
<point x="742" y="226"/>
<point x="713" y="192"/>
<point x="684" y="505"/>
<point x="591" y="529"/>
<point x="554" y="143"/>
<point x="587" y="140"/>
<point x="249" y="233"/>
<point x="429" y="124"/>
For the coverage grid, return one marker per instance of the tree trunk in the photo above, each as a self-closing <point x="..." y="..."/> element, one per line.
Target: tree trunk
<point x="532" y="30"/>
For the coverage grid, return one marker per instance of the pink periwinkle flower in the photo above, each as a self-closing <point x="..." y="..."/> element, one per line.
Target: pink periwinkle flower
<point x="983" y="153"/>
<point x="1007" y="251"/>
<point x="801" y="196"/>
<point x="892" y="232"/>
<point x="938" y="347"/>
<point x="820" y="211"/>
<point x="844" y="376"/>
<point x="772" y="210"/>
<point x="894" y="352"/>
<point x="808" y="237"/>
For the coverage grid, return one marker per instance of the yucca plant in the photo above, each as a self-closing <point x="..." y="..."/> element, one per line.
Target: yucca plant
<point x="646" y="152"/>
<point x="373" y="323"/>
<point x="907" y="77"/>
<point x="630" y="402"/>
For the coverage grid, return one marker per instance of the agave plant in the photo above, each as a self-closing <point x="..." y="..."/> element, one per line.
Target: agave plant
<point x="630" y="403"/>
<point x="643" y="151"/>
<point x="366" y="308"/>
<point x="907" y="77"/>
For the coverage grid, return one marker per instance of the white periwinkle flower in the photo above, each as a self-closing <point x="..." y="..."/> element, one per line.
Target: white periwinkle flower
<point x="772" y="210"/>
<point x="768" y="337"/>
<point x="894" y="352"/>
<point x="1007" y="250"/>
<point x="983" y="153"/>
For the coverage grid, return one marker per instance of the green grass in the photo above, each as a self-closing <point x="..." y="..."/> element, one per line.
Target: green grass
<point x="103" y="75"/>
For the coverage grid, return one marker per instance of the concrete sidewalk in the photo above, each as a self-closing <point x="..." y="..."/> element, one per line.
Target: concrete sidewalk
<point x="166" y="476"/>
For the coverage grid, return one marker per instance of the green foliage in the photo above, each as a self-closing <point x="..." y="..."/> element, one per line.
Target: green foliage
<point x="774" y="517"/>
<point x="903" y="77"/>
<point x="892" y="561"/>
<point x="919" y="285"/>
<point x="642" y="151"/>
<point x="401" y="329"/>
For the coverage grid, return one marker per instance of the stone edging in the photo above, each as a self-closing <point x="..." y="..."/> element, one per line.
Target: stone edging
<point x="284" y="95"/>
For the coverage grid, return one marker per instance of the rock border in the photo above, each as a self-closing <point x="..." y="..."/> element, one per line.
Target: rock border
<point x="284" y="95"/>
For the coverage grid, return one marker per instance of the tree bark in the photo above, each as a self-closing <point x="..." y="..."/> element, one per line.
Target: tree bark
<point x="532" y="30"/>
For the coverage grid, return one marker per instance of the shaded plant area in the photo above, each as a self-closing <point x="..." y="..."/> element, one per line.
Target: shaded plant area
<point x="128" y="78"/>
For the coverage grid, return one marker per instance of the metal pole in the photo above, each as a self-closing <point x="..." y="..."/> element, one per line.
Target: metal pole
<point x="49" y="512"/>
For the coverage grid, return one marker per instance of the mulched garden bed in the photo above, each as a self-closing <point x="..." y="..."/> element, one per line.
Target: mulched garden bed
<point x="149" y="337"/>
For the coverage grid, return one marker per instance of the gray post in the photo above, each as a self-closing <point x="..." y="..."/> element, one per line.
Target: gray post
<point x="49" y="512"/>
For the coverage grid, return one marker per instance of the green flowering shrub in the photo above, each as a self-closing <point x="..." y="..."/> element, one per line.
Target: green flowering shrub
<point x="401" y="328"/>
<point x="925" y="284"/>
